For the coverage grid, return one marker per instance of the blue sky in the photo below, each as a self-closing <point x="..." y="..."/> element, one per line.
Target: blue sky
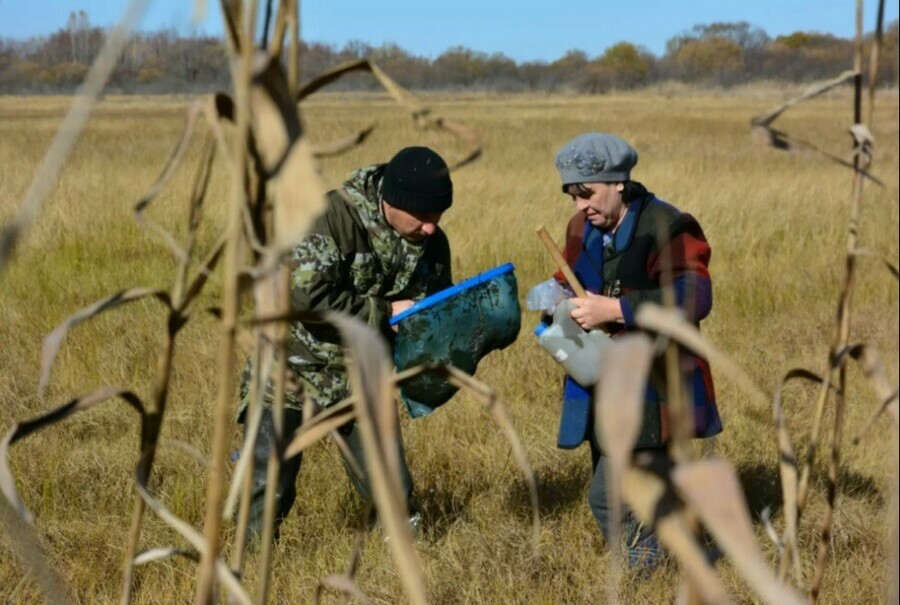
<point x="524" y="30"/>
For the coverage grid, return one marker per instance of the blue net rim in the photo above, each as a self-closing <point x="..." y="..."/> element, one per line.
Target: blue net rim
<point x="468" y="284"/>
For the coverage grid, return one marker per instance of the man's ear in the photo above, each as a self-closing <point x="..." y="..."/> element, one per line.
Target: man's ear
<point x="620" y="187"/>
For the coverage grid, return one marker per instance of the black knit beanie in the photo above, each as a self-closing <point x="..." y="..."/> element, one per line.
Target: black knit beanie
<point x="417" y="180"/>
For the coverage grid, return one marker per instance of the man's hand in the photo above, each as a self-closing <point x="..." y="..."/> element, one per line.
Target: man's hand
<point x="595" y="310"/>
<point x="399" y="306"/>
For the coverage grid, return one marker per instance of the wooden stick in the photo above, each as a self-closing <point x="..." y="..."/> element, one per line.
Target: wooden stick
<point x="561" y="262"/>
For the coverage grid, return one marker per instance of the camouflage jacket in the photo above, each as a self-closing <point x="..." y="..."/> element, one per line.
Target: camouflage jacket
<point x="354" y="262"/>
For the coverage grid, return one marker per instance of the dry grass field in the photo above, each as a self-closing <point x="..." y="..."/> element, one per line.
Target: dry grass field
<point x="777" y="224"/>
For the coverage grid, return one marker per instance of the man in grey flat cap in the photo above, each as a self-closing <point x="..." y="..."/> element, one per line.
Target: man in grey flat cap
<point x="626" y="246"/>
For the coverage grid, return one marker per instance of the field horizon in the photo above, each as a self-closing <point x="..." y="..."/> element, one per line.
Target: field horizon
<point x="777" y="224"/>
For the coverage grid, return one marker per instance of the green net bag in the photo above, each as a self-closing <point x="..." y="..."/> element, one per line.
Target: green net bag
<point x="459" y="326"/>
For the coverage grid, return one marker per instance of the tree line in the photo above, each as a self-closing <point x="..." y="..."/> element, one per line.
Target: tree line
<point x="716" y="54"/>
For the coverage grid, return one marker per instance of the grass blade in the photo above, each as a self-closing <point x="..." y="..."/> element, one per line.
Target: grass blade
<point x="22" y="430"/>
<point x="53" y="341"/>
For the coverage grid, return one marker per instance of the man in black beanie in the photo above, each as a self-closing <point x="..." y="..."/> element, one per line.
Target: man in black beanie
<point x="375" y="251"/>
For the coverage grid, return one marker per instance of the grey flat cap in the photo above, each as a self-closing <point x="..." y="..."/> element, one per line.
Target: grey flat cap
<point x="595" y="157"/>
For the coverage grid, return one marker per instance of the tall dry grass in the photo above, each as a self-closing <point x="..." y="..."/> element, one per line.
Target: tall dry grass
<point x="777" y="226"/>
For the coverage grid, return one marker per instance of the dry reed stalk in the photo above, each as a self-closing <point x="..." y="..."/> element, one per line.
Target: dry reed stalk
<point x="286" y="160"/>
<point x="345" y="583"/>
<point x="287" y="181"/>
<point x="292" y="17"/>
<point x="796" y="491"/>
<point x="157" y="554"/>
<point x="680" y="407"/>
<point x="241" y="76"/>
<point x="280" y="296"/>
<point x="266" y="138"/>
<point x="274" y="133"/>
<point x="321" y="425"/>
<point x="723" y="521"/>
<point x="710" y="488"/>
<point x="182" y="296"/>
<point x="761" y="125"/>
<point x="242" y="477"/>
<point x="177" y="303"/>
<point x="893" y="558"/>
<point x="221" y="569"/>
<point x="865" y="252"/>
<point x="861" y="162"/>
<point x="376" y="416"/>
<point x="273" y="140"/>
<point x="874" y="369"/>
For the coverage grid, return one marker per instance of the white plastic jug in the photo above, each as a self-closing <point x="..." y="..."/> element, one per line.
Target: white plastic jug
<point x="578" y="351"/>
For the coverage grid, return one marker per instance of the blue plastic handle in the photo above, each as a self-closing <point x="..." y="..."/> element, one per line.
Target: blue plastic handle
<point x="430" y="301"/>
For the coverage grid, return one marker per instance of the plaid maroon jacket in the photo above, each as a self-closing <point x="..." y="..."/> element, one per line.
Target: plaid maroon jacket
<point x="655" y="246"/>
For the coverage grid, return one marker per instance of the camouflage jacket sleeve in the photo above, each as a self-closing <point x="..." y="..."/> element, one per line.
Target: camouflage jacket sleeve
<point x="324" y="267"/>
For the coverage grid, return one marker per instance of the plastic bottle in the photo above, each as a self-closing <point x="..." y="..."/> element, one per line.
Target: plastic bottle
<point x="578" y="351"/>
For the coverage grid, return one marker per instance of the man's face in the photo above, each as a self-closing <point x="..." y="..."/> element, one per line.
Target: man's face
<point x="601" y="203"/>
<point x="412" y="226"/>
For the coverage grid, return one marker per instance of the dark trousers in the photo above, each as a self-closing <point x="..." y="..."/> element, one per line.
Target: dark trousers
<point x="286" y="490"/>
<point x="641" y="546"/>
